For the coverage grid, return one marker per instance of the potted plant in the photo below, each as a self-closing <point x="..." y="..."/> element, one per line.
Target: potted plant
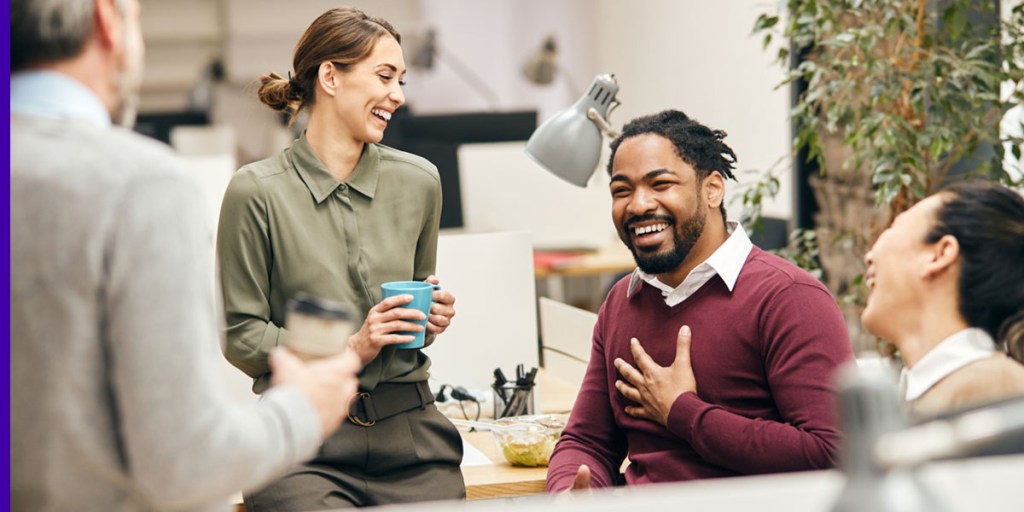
<point x="896" y="98"/>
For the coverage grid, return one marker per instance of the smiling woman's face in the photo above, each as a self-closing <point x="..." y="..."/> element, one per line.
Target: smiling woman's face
<point x="895" y="267"/>
<point x="370" y="91"/>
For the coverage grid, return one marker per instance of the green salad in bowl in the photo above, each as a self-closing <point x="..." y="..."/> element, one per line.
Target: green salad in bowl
<point x="528" y="440"/>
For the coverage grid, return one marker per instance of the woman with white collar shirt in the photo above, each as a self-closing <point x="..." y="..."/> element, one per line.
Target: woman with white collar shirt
<point x="946" y="284"/>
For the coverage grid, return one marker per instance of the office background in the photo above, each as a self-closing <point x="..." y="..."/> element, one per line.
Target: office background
<point x="692" y="55"/>
<point x="696" y="56"/>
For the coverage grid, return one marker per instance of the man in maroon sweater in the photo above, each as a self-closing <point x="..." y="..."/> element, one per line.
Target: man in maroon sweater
<point x="714" y="358"/>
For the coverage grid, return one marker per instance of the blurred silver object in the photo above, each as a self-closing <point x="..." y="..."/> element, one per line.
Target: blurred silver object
<point x="870" y="408"/>
<point x="961" y="435"/>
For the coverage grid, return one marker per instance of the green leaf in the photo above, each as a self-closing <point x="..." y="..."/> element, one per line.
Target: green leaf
<point x="955" y="21"/>
<point x="764" y="22"/>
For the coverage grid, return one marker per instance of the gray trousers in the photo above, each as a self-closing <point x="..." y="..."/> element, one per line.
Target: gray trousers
<point x="412" y="456"/>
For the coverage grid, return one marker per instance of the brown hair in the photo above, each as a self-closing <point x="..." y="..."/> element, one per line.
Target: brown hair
<point x="344" y="36"/>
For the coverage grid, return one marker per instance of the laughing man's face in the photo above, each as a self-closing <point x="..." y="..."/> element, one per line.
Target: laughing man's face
<point x="655" y="203"/>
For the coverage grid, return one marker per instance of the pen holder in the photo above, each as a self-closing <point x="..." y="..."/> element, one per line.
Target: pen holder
<point x="513" y="400"/>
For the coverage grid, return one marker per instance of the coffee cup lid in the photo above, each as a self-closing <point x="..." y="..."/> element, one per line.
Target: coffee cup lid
<point x="323" y="308"/>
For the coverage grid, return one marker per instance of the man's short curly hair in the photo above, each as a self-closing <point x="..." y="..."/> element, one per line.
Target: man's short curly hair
<point x="695" y="144"/>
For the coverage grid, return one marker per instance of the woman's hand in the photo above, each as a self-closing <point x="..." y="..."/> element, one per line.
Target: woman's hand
<point x="381" y="327"/>
<point x="442" y="310"/>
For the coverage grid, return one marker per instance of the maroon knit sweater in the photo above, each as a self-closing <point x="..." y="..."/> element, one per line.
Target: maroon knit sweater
<point x="763" y="355"/>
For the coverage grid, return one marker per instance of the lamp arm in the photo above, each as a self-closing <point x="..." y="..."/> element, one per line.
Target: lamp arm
<point x="467" y="75"/>
<point x="601" y="123"/>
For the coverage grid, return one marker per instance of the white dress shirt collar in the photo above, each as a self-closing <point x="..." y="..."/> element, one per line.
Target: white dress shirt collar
<point x="955" y="352"/>
<point x="55" y="95"/>
<point x="726" y="262"/>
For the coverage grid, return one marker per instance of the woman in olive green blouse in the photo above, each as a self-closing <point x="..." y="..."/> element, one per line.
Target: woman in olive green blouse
<point x="335" y="215"/>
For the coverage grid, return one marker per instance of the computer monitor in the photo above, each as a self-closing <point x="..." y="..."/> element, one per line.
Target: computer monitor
<point x="438" y="137"/>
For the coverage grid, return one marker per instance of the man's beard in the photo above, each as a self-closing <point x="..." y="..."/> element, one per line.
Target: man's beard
<point x="684" y="238"/>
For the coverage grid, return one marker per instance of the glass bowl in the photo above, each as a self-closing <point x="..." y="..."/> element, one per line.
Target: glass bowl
<point x="528" y="440"/>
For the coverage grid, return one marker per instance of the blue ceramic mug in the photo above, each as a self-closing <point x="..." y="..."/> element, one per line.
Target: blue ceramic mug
<point x="422" y="297"/>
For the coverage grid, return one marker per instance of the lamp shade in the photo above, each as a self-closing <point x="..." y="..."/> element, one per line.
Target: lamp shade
<point x="569" y="144"/>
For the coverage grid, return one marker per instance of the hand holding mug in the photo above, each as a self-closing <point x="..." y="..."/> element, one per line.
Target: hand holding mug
<point x="387" y="323"/>
<point x="423" y="294"/>
<point x="442" y="310"/>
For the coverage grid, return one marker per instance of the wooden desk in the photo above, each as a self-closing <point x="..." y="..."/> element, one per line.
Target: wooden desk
<point x="555" y="395"/>
<point x="500" y="479"/>
<point x="595" y="267"/>
<point x="613" y="259"/>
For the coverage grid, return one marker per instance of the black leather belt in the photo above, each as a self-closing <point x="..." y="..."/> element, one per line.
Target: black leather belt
<point x="387" y="400"/>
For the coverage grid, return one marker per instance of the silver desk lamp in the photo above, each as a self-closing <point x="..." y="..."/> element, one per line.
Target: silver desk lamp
<point x="569" y="144"/>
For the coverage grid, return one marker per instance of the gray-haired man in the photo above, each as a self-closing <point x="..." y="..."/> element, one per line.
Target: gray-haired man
<point x="115" y="399"/>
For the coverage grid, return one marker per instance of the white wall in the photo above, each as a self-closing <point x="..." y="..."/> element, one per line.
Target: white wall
<point x="493" y="39"/>
<point x="261" y="34"/>
<point x="699" y="57"/>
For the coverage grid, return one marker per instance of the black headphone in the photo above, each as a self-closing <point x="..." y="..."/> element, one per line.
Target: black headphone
<point x="457" y="393"/>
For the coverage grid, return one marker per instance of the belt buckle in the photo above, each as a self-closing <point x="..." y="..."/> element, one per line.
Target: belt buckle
<point x="356" y="419"/>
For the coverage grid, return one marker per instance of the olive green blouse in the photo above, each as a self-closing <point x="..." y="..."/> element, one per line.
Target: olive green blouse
<point x="287" y="226"/>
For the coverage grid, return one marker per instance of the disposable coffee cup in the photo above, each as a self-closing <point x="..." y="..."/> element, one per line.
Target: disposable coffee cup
<point x="317" y="327"/>
<point x="422" y="297"/>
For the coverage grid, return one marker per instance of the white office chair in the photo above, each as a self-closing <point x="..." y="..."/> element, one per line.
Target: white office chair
<point x="566" y="333"/>
<point x="204" y="140"/>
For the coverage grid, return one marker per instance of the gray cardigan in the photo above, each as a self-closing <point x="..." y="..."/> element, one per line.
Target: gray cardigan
<point x="116" y="403"/>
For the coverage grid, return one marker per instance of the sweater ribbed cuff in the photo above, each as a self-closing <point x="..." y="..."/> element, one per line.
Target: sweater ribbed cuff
<point x="683" y="416"/>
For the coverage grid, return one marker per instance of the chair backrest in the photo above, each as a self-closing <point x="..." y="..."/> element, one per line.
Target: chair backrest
<point x="566" y="333"/>
<point x="203" y="140"/>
